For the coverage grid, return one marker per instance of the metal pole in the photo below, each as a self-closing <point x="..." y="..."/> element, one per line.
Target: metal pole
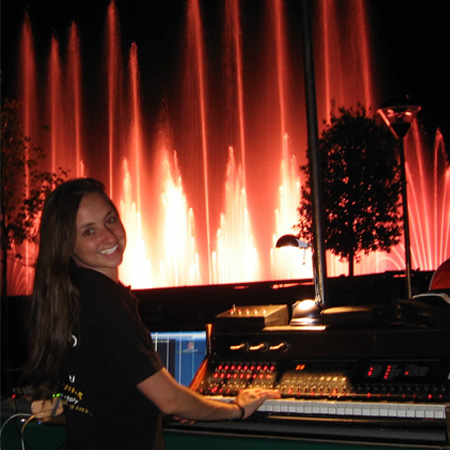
<point x="313" y="144"/>
<point x="405" y="219"/>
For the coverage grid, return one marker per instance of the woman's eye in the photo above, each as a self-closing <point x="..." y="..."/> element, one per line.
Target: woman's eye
<point x="88" y="232"/>
<point x="111" y="220"/>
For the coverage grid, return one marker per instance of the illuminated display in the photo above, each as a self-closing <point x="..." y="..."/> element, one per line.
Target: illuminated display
<point x="401" y="371"/>
<point x="181" y="352"/>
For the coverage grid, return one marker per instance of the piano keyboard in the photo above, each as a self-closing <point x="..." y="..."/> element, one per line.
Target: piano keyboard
<point x="355" y="409"/>
<point x="351" y="409"/>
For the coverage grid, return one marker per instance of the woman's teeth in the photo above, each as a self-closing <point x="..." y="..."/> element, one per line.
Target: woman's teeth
<point x="109" y="251"/>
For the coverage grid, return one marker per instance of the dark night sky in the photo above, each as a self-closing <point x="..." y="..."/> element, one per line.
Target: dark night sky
<point x="412" y="41"/>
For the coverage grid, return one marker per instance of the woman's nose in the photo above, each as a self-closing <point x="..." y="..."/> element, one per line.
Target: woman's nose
<point x="108" y="233"/>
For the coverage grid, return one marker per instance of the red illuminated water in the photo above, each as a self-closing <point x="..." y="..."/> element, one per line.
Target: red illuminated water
<point x="28" y="77"/>
<point x="234" y="70"/>
<point x="344" y="68"/>
<point x="114" y="93"/>
<point x="74" y="99"/>
<point x="236" y="256"/>
<point x="174" y="234"/>
<point x="196" y="59"/>
<point x="28" y="88"/>
<point x="428" y="172"/>
<point x="205" y="195"/>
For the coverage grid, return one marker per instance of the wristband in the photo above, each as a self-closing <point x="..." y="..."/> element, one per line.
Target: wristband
<point x="241" y="409"/>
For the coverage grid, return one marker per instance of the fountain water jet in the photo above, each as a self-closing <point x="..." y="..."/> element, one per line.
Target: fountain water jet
<point x="179" y="262"/>
<point x="236" y="256"/>
<point x="74" y="98"/>
<point x="136" y="267"/>
<point x="289" y="262"/>
<point x="28" y="78"/>
<point x="174" y="246"/>
<point x="195" y="37"/>
<point x="344" y="73"/>
<point x="428" y="172"/>
<point x="28" y="86"/>
<point x="55" y="102"/>
<point x="114" y="86"/>
<point x="234" y="70"/>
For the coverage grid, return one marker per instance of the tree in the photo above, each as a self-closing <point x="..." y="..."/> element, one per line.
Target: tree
<point x="361" y="187"/>
<point x="24" y="187"/>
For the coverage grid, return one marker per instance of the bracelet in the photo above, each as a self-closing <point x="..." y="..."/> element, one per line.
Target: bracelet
<point x="241" y="409"/>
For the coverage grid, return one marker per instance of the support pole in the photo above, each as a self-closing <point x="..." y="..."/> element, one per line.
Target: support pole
<point x="405" y="219"/>
<point x="314" y="161"/>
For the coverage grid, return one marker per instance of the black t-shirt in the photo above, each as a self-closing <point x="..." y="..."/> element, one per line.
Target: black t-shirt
<point x="112" y="353"/>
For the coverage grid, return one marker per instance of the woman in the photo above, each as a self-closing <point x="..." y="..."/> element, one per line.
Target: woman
<point x="88" y="338"/>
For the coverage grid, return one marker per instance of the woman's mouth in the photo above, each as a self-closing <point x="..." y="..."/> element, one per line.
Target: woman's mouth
<point x="109" y="251"/>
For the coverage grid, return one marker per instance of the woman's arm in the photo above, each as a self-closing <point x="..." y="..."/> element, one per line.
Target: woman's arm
<point x="172" y="398"/>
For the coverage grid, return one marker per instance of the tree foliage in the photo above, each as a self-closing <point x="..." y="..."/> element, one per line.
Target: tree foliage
<point x="361" y="187"/>
<point x="24" y="185"/>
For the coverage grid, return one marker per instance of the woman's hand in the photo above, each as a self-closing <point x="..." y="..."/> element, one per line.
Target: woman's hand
<point x="252" y="399"/>
<point x="174" y="399"/>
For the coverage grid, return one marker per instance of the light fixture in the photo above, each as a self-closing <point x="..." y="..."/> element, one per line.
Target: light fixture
<point x="304" y="312"/>
<point x="398" y="116"/>
<point x="289" y="240"/>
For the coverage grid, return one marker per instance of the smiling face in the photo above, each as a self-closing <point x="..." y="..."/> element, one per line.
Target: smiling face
<point x="100" y="236"/>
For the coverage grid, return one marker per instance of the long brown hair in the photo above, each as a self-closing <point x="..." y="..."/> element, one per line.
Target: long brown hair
<point x="54" y="302"/>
